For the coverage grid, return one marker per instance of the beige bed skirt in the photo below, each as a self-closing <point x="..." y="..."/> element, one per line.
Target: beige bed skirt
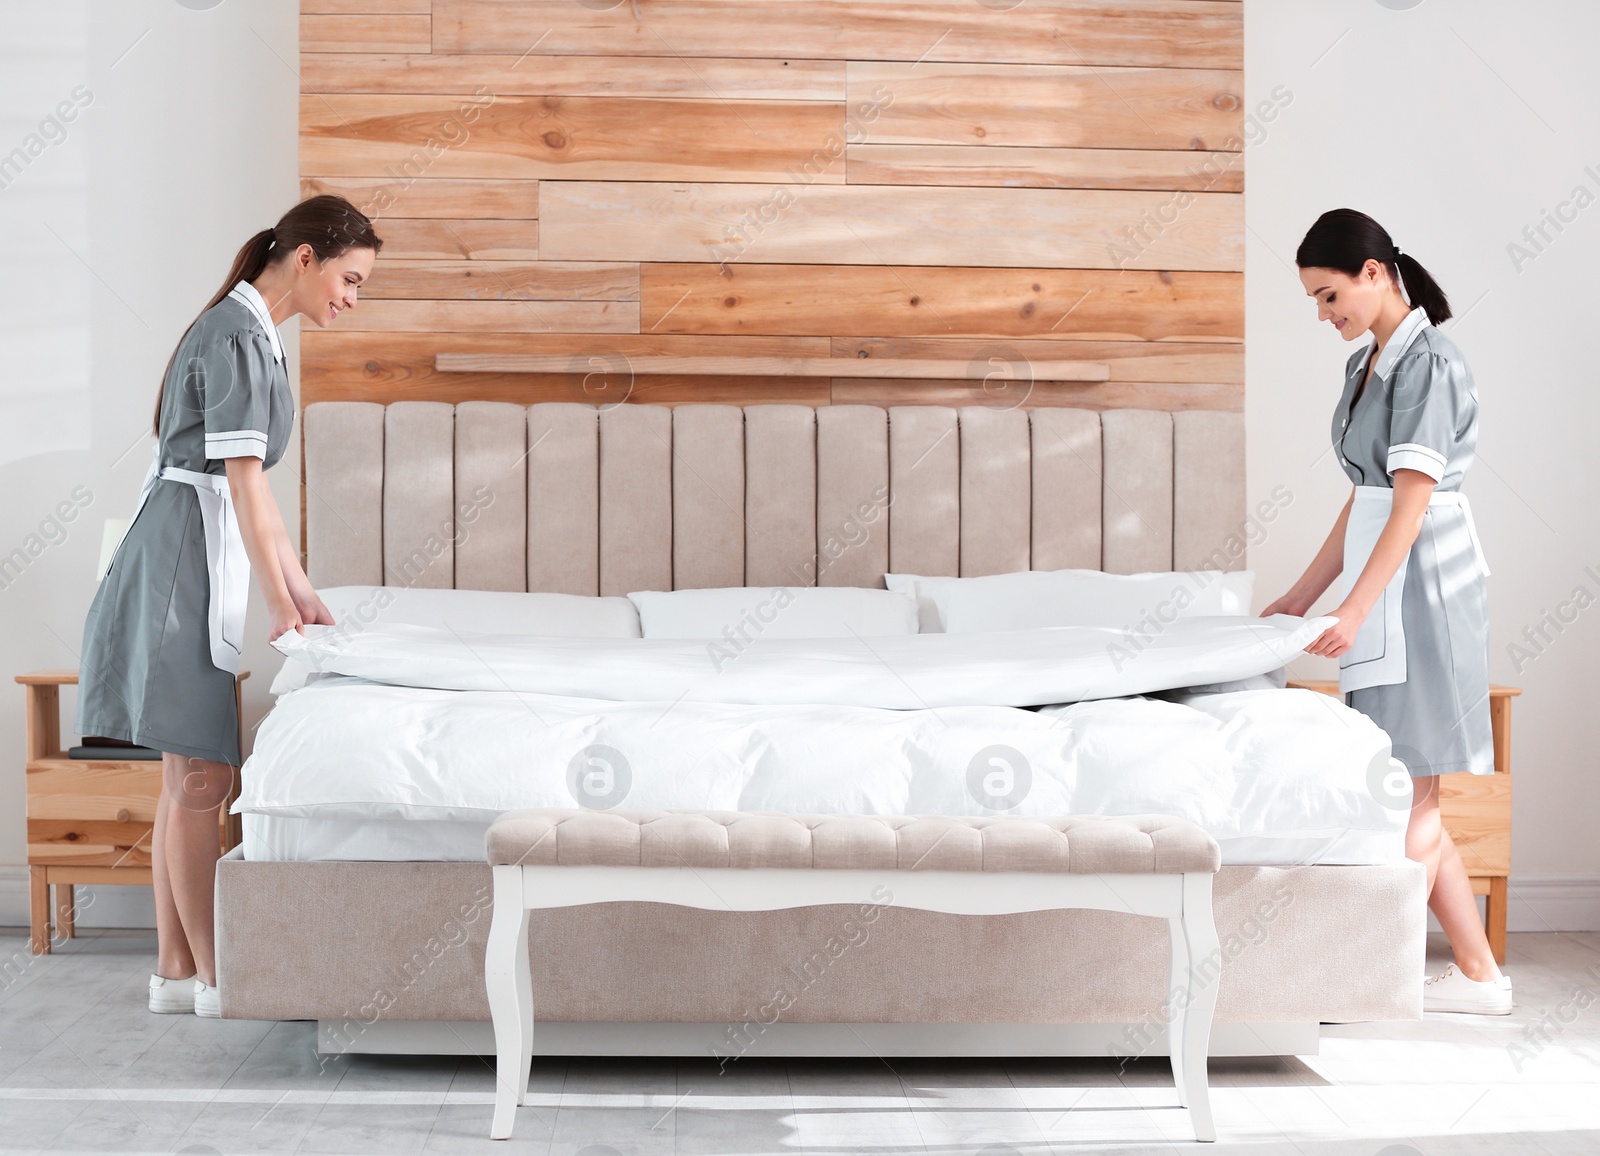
<point x="360" y="942"/>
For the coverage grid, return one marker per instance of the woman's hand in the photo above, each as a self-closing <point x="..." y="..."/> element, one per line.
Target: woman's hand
<point x="1290" y="603"/>
<point x="313" y="612"/>
<point x="306" y="601"/>
<point x="285" y="617"/>
<point x="304" y="607"/>
<point x="1341" y="636"/>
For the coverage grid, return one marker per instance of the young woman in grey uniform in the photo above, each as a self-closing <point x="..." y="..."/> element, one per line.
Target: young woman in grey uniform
<point x="163" y="637"/>
<point x="1413" y="633"/>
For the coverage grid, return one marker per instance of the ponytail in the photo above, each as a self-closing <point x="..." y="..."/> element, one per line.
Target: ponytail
<point x="330" y="224"/>
<point x="1421" y="289"/>
<point x="1345" y="239"/>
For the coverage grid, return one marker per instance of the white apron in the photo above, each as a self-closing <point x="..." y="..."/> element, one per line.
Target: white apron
<point x="227" y="563"/>
<point x="1377" y="656"/>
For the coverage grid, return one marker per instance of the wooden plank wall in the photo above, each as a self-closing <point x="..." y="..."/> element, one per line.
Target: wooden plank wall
<point x="971" y="179"/>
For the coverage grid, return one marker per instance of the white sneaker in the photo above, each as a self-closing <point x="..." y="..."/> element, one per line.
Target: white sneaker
<point x="207" y="1000"/>
<point x="171" y="996"/>
<point x="1450" y="991"/>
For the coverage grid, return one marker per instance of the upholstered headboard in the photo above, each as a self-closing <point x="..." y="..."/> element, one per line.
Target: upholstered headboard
<point x="565" y="497"/>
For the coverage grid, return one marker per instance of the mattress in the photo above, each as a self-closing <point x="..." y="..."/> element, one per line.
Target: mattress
<point x="337" y="838"/>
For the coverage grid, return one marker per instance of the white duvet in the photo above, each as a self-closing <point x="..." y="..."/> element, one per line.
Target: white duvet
<point x="410" y="722"/>
<point x="903" y="672"/>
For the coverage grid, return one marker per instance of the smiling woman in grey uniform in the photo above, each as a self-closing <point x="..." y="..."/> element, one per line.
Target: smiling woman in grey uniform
<point x="164" y="634"/>
<point x="1413" y="633"/>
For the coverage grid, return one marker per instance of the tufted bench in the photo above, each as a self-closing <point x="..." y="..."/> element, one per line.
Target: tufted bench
<point x="1153" y="865"/>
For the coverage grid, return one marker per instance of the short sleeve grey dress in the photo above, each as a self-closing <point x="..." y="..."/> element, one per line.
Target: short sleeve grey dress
<point x="146" y="673"/>
<point x="1420" y="411"/>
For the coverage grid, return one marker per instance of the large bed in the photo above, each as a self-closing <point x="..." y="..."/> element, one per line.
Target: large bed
<point x="359" y="895"/>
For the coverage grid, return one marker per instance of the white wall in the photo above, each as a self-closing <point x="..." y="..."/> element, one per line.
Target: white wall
<point x="45" y="117"/>
<point x="1453" y="126"/>
<point x="189" y="145"/>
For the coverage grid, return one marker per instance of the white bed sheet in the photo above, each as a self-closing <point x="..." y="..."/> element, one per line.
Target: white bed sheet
<point x="1012" y="668"/>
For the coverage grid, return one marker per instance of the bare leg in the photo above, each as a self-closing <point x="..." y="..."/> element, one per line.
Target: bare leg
<point x="197" y="788"/>
<point x="1449" y="890"/>
<point x="174" y="960"/>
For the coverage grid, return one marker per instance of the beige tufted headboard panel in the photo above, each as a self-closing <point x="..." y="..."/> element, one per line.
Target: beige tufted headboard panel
<point x="565" y="497"/>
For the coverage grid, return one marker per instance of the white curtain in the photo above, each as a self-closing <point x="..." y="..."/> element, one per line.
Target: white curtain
<point x="46" y="267"/>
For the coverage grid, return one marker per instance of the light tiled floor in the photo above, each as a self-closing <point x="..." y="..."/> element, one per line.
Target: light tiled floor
<point x="85" y="1068"/>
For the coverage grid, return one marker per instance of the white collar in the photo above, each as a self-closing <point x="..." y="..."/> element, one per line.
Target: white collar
<point x="1404" y="334"/>
<point x="251" y="296"/>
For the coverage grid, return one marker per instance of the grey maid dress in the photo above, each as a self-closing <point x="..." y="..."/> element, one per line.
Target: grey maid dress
<point x="1420" y="411"/>
<point x="147" y="672"/>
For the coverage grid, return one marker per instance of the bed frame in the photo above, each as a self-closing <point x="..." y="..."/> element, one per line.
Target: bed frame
<point x="388" y="957"/>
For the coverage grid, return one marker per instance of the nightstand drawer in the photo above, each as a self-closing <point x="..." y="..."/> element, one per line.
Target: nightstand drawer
<point x="81" y="790"/>
<point x="102" y="843"/>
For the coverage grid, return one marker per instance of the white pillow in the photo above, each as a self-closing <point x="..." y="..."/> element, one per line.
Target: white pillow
<point x="470" y="612"/>
<point x="744" y="613"/>
<point x="1033" y="598"/>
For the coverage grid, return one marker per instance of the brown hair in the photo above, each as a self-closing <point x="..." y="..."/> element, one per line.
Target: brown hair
<point x="331" y="225"/>
<point x="1345" y="239"/>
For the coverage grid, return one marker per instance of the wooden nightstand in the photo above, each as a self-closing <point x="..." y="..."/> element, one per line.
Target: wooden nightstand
<point x="89" y="820"/>
<point x="1476" y="810"/>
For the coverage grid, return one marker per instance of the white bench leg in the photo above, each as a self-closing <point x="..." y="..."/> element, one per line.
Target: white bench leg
<point x="1177" y="988"/>
<point x="524" y="1009"/>
<point x="1204" y="968"/>
<point x="508" y="982"/>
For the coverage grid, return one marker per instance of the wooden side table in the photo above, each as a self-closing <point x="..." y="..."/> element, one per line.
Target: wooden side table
<point x="1476" y="810"/>
<point x="89" y="820"/>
